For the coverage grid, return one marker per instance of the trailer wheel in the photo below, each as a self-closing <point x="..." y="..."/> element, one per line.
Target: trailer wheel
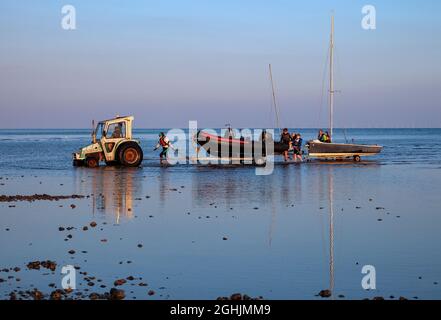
<point x="260" y="161"/>
<point x="92" y="162"/>
<point x="357" y="158"/>
<point x="130" y="155"/>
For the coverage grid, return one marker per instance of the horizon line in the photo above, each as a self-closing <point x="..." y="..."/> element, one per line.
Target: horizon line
<point x="160" y="128"/>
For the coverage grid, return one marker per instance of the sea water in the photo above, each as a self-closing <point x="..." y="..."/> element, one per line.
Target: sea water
<point x="210" y="231"/>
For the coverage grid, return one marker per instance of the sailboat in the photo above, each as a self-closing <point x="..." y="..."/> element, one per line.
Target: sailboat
<point x="331" y="150"/>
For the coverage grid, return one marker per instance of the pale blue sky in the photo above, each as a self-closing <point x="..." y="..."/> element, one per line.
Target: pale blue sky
<point x="167" y="62"/>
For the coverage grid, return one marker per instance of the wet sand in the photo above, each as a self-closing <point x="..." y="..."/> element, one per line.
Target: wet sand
<point x="189" y="232"/>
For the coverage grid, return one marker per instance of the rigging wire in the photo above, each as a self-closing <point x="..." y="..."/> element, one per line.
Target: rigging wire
<point x="271" y="109"/>
<point x="274" y="101"/>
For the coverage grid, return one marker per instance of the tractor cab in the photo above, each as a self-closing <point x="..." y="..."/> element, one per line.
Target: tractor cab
<point x="112" y="143"/>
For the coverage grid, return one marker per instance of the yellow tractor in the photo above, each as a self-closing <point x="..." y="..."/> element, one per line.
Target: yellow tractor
<point x="112" y="143"/>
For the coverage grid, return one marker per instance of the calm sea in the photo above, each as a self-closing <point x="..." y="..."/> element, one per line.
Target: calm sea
<point x="51" y="149"/>
<point x="214" y="231"/>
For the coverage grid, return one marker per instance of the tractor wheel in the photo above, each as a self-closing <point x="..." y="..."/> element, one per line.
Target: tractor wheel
<point x="92" y="162"/>
<point x="130" y="155"/>
<point x="357" y="158"/>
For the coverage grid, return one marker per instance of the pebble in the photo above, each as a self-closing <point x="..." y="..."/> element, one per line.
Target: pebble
<point x="56" y="295"/>
<point x="325" y="293"/>
<point x="94" y="296"/>
<point x="117" y="294"/>
<point x="37" y="295"/>
<point x="119" y="282"/>
<point x="236" y="296"/>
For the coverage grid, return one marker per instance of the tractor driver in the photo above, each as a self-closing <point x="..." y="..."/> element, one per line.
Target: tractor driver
<point x="117" y="132"/>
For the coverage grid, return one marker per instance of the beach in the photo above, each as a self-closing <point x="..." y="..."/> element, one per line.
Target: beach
<point x="204" y="232"/>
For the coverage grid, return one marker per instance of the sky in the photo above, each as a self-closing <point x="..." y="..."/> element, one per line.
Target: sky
<point x="170" y="61"/>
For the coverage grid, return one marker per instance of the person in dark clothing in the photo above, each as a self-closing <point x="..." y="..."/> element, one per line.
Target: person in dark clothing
<point x="297" y="146"/>
<point x="285" y="138"/>
<point x="320" y="135"/>
<point x="324" y="136"/>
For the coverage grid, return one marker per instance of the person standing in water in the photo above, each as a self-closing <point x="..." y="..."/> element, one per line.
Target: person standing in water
<point x="165" y="143"/>
<point x="285" y="138"/>
<point x="297" y="146"/>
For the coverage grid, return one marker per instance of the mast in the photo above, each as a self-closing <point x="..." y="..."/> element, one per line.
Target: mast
<point x="274" y="97"/>
<point x="331" y="79"/>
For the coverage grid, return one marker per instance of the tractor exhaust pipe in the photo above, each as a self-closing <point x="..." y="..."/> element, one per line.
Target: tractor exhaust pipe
<point x="93" y="132"/>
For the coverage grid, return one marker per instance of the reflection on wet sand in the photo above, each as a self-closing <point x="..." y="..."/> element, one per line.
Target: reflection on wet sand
<point x="227" y="189"/>
<point x="278" y="192"/>
<point x="164" y="186"/>
<point x="289" y="183"/>
<point x="290" y="187"/>
<point x="331" y="230"/>
<point x="112" y="189"/>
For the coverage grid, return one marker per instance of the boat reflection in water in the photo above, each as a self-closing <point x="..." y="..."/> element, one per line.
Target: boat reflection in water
<point x="289" y="199"/>
<point x="331" y="230"/>
<point x="112" y="190"/>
